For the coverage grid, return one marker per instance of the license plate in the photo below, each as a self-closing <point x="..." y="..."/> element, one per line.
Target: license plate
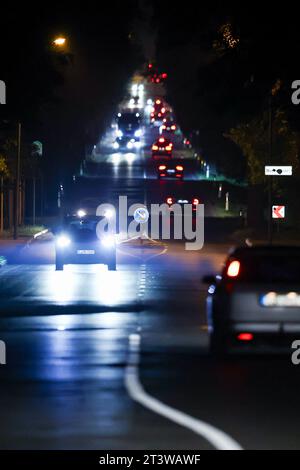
<point x="274" y="299"/>
<point x="171" y="171"/>
<point x="85" y="252"/>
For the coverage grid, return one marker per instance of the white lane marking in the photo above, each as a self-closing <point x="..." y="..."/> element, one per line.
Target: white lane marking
<point x="217" y="438"/>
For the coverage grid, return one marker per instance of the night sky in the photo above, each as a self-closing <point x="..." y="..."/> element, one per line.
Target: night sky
<point x="68" y="105"/>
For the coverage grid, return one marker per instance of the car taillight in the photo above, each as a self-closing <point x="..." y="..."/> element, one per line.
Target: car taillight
<point x="169" y="200"/>
<point x="179" y="168"/>
<point x="245" y="337"/>
<point x="169" y="148"/>
<point x="173" y="128"/>
<point x="154" y="147"/>
<point x="157" y="102"/>
<point x="233" y="268"/>
<point x="162" y="167"/>
<point x="195" y="201"/>
<point x="161" y="139"/>
<point x="163" y="110"/>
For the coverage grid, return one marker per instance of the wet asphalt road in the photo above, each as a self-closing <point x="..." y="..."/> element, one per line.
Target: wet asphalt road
<point x="67" y="338"/>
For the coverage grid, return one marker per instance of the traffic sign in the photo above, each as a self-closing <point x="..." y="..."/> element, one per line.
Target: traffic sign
<point x="278" y="212"/>
<point x="278" y="170"/>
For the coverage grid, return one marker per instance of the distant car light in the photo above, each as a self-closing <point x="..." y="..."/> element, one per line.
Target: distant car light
<point x="81" y="213"/>
<point x="108" y="241"/>
<point x="63" y="241"/>
<point x="154" y="147"/>
<point x="109" y="213"/>
<point x="168" y="148"/>
<point x="138" y="133"/>
<point x="116" y="145"/>
<point x="119" y="133"/>
<point x="162" y="167"/>
<point x="130" y="145"/>
<point x="179" y="167"/>
<point x="233" y="268"/>
<point x="161" y="139"/>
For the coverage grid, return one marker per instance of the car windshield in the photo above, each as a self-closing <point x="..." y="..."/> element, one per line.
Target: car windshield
<point x="128" y="119"/>
<point x="82" y="230"/>
<point x="270" y="268"/>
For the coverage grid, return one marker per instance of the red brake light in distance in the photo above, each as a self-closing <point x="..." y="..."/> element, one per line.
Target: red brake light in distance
<point x="154" y="147"/>
<point x="161" y="139"/>
<point x="179" y="168"/>
<point x="173" y="128"/>
<point x="169" y="200"/>
<point x="162" y="167"/>
<point x="195" y="201"/>
<point x="233" y="268"/>
<point x="169" y="148"/>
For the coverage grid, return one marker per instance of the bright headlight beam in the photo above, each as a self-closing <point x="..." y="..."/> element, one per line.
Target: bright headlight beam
<point x="63" y="241"/>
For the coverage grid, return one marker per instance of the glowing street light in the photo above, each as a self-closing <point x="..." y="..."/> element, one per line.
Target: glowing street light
<point x="59" y="41"/>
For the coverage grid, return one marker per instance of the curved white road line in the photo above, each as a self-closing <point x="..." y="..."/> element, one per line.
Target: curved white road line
<point x="217" y="438"/>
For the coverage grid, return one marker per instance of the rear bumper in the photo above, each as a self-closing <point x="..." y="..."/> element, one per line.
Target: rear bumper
<point x="275" y="328"/>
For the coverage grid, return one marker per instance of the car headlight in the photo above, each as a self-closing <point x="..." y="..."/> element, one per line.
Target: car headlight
<point x="108" y="241"/>
<point x="129" y="145"/>
<point x="63" y="241"/>
<point x="138" y="133"/>
<point x="81" y="213"/>
<point x="116" y="145"/>
<point x="119" y="133"/>
<point x="109" y="213"/>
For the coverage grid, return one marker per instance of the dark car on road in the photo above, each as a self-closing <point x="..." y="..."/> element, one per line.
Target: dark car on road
<point x="255" y="302"/>
<point x="162" y="147"/>
<point x="77" y="242"/>
<point x="170" y="169"/>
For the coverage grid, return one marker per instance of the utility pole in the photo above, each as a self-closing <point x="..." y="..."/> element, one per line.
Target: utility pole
<point x="1" y="206"/>
<point x="17" y="183"/>
<point x="270" y="179"/>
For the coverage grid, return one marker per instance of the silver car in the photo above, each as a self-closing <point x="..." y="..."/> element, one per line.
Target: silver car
<point x="255" y="301"/>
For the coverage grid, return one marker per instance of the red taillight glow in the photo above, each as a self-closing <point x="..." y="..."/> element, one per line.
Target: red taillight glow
<point x="173" y="128"/>
<point x="162" y="167"/>
<point x="245" y="337"/>
<point x="179" y="168"/>
<point x="150" y="66"/>
<point x="164" y="75"/>
<point x="154" y="147"/>
<point x="157" y="102"/>
<point x="195" y="201"/>
<point x="168" y="148"/>
<point x="161" y="139"/>
<point x="169" y="200"/>
<point x="163" y="110"/>
<point x="233" y="269"/>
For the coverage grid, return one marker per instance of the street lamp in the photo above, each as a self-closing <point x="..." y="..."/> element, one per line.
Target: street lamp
<point x="59" y="41"/>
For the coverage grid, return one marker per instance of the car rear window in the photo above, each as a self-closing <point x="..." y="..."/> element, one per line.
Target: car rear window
<point x="270" y="268"/>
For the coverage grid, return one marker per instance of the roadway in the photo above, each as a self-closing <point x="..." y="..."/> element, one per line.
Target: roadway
<point x="120" y="360"/>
